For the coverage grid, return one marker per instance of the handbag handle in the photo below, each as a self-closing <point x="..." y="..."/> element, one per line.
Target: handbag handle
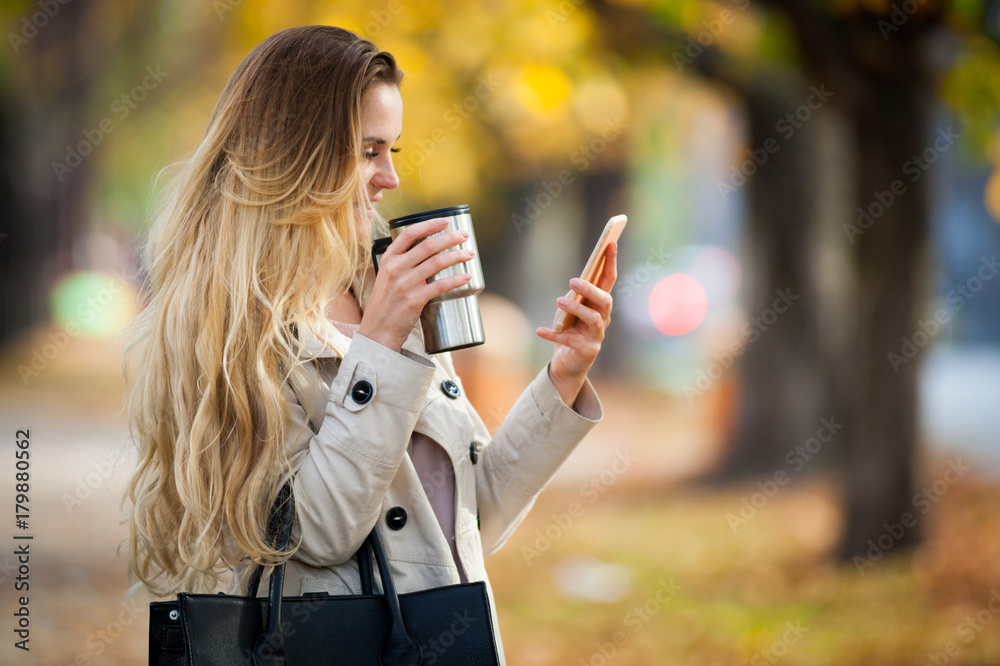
<point x="397" y="649"/>
<point x="363" y="555"/>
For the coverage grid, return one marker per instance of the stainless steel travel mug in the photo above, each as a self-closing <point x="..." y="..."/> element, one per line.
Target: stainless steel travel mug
<point x="452" y="320"/>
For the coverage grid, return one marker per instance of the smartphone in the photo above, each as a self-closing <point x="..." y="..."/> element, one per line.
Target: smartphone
<point x="595" y="266"/>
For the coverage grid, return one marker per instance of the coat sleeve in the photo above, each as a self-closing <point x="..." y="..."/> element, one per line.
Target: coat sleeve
<point x="343" y="472"/>
<point x="538" y="434"/>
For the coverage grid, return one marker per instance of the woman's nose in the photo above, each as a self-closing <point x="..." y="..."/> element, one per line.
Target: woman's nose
<point x="386" y="177"/>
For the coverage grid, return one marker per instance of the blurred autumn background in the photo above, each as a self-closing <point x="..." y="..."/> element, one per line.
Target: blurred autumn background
<point x="799" y="459"/>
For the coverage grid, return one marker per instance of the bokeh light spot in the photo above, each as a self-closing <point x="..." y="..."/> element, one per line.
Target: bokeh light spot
<point x="677" y="304"/>
<point x="718" y="271"/>
<point x="991" y="196"/>
<point x="93" y="304"/>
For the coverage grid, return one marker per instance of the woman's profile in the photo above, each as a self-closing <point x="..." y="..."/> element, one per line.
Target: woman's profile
<point x="269" y="350"/>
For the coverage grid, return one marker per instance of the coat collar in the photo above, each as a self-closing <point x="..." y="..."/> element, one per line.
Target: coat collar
<point x="314" y="347"/>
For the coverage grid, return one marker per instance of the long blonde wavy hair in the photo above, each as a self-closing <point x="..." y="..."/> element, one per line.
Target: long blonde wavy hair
<point x="258" y="230"/>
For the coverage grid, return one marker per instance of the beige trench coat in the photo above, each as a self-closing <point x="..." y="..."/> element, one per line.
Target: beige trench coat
<point x="353" y="466"/>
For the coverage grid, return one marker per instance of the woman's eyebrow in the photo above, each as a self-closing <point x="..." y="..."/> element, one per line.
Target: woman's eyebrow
<point x="378" y="140"/>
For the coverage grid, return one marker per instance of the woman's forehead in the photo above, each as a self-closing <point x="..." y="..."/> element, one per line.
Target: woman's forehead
<point x="382" y="113"/>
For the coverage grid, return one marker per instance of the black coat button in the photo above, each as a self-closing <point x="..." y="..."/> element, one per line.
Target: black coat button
<point x="450" y="389"/>
<point x="473" y="454"/>
<point x="396" y="518"/>
<point x="362" y="392"/>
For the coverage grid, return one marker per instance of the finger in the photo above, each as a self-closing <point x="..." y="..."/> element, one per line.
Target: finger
<point x="438" y="287"/>
<point x="588" y="315"/>
<point x="566" y="318"/>
<point x="442" y="260"/>
<point x="426" y="249"/>
<point x="584" y="348"/>
<point x="550" y="335"/>
<point x="435" y="244"/>
<point x="414" y="232"/>
<point x="599" y="298"/>
<point x="440" y="242"/>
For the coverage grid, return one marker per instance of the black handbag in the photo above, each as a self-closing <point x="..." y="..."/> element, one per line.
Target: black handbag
<point x="441" y="626"/>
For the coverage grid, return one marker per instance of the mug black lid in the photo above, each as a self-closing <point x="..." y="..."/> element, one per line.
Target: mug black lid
<point x="428" y="215"/>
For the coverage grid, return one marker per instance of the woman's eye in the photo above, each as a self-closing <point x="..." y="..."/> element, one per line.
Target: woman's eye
<point x="373" y="155"/>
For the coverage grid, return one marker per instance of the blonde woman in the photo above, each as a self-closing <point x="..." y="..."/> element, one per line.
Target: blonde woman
<point x="269" y="350"/>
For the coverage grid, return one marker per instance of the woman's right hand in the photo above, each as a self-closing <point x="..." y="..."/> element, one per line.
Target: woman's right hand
<point x="401" y="289"/>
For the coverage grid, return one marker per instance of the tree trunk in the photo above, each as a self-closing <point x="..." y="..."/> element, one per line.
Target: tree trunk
<point x="47" y="215"/>
<point x="880" y="431"/>
<point x="879" y="86"/>
<point x="781" y="369"/>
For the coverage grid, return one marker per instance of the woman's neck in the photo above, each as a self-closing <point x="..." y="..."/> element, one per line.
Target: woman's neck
<point x="344" y="308"/>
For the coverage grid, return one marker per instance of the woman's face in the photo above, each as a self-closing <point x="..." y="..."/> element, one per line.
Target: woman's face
<point x="381" y="127"/>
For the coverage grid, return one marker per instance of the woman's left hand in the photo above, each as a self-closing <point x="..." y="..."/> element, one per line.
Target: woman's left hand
<point x="577" y="346"/>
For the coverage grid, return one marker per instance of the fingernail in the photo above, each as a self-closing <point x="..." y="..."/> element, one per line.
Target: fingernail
<point x="576" y="282"/>
<point x="465" y="234"/>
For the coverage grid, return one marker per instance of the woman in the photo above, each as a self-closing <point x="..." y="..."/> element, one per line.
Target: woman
<point x="270" y="350"/>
